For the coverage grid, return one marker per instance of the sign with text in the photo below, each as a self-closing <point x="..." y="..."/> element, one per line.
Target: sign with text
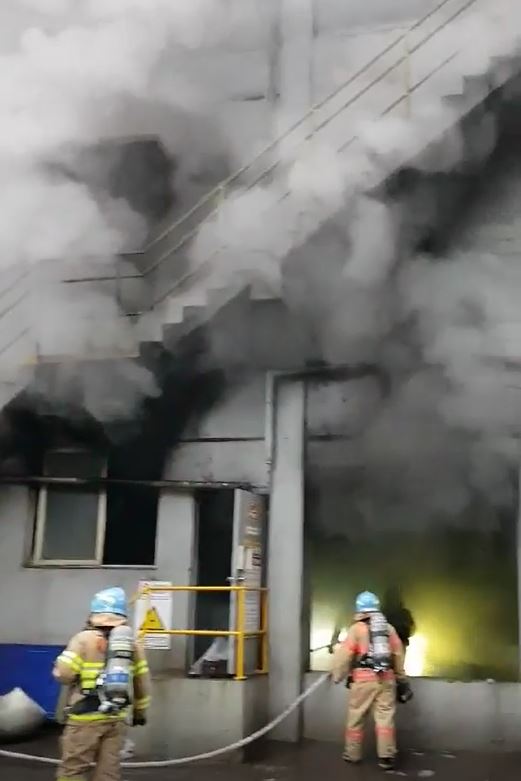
<point x="247" y="563"/>
<point x="153" y="611"/>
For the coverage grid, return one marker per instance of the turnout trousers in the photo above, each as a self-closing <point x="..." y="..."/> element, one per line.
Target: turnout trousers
<point x="96" y="743"/>
<point x="374" y="694"/>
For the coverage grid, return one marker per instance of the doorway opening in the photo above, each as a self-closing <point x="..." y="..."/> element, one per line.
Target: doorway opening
<point x="214" y="556"/>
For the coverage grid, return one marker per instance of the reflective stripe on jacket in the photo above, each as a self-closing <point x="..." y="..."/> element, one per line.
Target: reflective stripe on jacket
<point x="356" y="646"/>
<point x="81" y="664"/>
<point x="365" y="675"/>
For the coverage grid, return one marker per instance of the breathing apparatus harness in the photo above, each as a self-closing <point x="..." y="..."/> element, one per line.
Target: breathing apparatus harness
<point x="113" y="690"/>
<point x="379" y="656"/>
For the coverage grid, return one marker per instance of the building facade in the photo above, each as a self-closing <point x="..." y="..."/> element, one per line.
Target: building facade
<point x="364" y="482"/>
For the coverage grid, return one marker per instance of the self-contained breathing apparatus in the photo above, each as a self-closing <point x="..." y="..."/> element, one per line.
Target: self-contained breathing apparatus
<point x="379" y="657"/>
<point x="379" y="654"/>
<point x="114" y="686"/>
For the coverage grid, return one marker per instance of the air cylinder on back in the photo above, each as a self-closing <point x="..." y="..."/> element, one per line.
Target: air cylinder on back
<point x="379" y="642"/>
<point x="115" y="689"/>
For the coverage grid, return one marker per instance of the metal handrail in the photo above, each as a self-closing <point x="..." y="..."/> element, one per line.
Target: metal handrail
<point x="217" y="190"/>
<point x="192" y="232"/>
<point x="19" y="336"/>
<point x="190" y="275"/>
<point x="24" y="275"/>
<point x="240" y="634"/>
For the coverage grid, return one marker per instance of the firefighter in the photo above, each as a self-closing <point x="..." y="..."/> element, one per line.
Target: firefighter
<point x="92" y="735"/>
<point x="372" y="658"/>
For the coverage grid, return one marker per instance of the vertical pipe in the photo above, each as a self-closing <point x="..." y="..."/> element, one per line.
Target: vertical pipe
<point x="264" y="638"/>
<point x="118" y="291"/>
<point x="518" y="563"/>
<point x="239" y="663"/>
<point x="274" y="47"/>
<point x="269" y="420"/>
<point x="313" y="24"/>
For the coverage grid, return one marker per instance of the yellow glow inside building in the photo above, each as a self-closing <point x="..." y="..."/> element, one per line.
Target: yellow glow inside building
<point x="415" y="656"/>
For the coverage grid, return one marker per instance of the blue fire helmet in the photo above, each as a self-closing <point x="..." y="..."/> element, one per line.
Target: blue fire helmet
<point x="367" y="602"/>
<point x="110" y="600"/>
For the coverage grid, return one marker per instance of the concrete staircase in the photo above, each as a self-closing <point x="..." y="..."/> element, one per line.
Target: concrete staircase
<point x="416" y="91"/>
<point x="418" y="88"/>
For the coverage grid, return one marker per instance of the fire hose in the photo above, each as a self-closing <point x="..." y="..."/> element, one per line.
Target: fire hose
<point x="196" y="757"/>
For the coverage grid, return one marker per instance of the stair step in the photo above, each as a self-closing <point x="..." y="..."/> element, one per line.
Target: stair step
<point x="195" y="315"/>
<point x="148" y="327"/>
<point x="150" y="352"/>
<point x="176" y="304"/>
<point x="456" y="101"/>
<point x="172" y="334"/>
<point x="476" y="88"/>
<point x="503" y="68"/>
<point x="219" y="297"/>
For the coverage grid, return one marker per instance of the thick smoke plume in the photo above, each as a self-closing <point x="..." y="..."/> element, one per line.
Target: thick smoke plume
<point x="72" y="75"/>
<point x="446" y="331"/>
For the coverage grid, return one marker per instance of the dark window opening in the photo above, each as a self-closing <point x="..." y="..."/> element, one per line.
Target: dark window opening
<point x="130" y="533"/>
<point x="214" y="552"/>
<point x="93" y="524"/>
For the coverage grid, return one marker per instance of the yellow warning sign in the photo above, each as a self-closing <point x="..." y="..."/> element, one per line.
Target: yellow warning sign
<point x="152" y="621"/>
<point x="153" y="613"/>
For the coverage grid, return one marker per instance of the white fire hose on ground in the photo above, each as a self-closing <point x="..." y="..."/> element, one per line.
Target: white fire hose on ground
<point x="196" y="757"/>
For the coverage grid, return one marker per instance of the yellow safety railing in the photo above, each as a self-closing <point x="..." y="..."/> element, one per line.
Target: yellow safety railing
<point x="239" y="633"/>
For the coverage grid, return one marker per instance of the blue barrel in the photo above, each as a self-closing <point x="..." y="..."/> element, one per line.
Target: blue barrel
<point x="29" y="667"/>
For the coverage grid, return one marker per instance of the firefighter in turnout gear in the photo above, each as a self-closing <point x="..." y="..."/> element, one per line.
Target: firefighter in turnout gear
<point x="107" y="672"/>
<point x="372" y="658"/>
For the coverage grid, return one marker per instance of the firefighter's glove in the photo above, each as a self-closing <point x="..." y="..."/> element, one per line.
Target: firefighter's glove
<point x="404" y="692"/>
<point x="139" y="719"/>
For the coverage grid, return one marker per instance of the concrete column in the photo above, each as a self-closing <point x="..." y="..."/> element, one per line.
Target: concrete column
<point x="176" y="540"/>
<point x="286" y="556"/>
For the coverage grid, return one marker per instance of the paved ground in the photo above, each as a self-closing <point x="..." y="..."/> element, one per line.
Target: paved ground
<point x="309" y="762"/>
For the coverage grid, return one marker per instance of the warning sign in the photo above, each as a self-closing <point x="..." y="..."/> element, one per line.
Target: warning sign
<point x="153" y="614"/>
<point x="152" y="622"/>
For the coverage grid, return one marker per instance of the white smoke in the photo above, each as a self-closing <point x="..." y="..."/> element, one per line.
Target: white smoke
<point x="66" y="79"/>
<point x="448" y="332"/>
<point x="81" y="71"/>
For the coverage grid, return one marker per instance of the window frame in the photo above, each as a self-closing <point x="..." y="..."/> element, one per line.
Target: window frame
<point x="41" y="520"/>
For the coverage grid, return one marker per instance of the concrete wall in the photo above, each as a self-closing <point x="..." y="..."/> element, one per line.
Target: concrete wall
<point x="278" y="58"/>
<point x="442" y="715"/>
<point x="226" y="444"/>
<point x="49" y="604"/>
<point x="192" y="716"/>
